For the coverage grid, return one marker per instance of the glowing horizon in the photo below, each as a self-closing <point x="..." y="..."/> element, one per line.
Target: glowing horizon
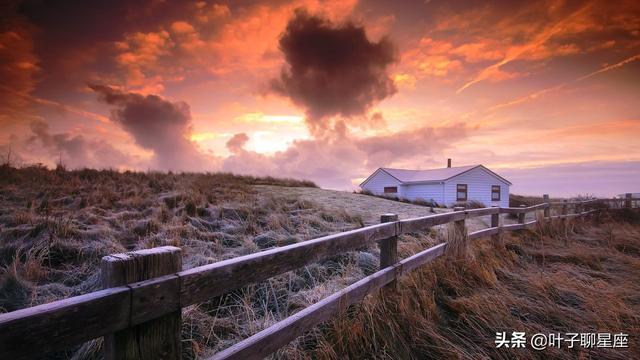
<point x="541" y="90"/>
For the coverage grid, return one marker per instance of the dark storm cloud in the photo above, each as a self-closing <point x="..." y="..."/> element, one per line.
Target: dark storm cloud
<point x="80" y="23"/>
<point x="333" y="69"/>
<point x="158" y="125"/>
<point x="73" y="39"/>
<point x="73" y="150"/>
<point x="18" y="63"/>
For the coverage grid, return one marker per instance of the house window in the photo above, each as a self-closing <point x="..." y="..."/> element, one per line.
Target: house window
<point x="495" y="192"/>
<point x="461" y="192"/>
<point x="390" y="189"/>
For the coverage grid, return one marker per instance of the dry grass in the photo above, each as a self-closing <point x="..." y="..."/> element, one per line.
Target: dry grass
<point x="56" y="225"/>
<point x="538" y="282"/>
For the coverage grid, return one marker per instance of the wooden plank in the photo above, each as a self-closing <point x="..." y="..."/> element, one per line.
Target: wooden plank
<point x="482" y="212"/>
<point x="522" y="209"/>
<point x="483" y="233"/>
<point x="421" y="258"/>
<point x="543" y="206"/>
<point x="512" y="210"/>
<point x="425" y="222"/>
<point x="27" y="333"/>
<point x="153" y="339"/>
<point x="513" y="227"/>
<point x="271" y="339"/>
<point x="154" y="298"/>
<point x="389" y="249"/>
<point x="201" y="283"/>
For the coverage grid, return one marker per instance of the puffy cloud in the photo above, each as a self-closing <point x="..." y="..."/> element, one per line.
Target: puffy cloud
<point x="237" y="142"/>
<point x="159" y="125"/>
<point x="410" y="144"/>
<point x="432" y="58"/>
<point x="75" y="151"/>
<point x="335" y="160"/>
<point x="333" y="69"/>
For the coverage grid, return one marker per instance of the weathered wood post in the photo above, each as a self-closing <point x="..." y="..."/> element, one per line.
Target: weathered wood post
<point x="627" y="200"/>
<point x="459" y="224"/>
<point x="521" y="215"/>
<point x="563" y="219"/>
<point x="155" y="339"/>
<point x="495" y="223"/>
<point x="547" y="210"/>
<point x="389" y="250"/>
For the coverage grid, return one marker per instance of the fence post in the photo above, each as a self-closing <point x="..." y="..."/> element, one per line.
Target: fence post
<point x="155" y="339"/>
<point x="459" y="224"/>
<point x="547" y="210"/>
<point x="389" y="249"/>
<point x="627" y="200"/>
<point x="521" y="215"/>
<point x="564" y="207"/>
<point x="495" y="223"/>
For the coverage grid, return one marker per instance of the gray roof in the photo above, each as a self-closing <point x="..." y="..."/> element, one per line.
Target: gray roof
<point x="432" y="175"/>
<point x="405" y="175"/>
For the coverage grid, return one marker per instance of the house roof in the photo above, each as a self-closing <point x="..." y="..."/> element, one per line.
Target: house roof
<point x="432" y="175"/>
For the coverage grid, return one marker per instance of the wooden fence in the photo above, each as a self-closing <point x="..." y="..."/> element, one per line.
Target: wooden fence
<point x="139" y="311"/>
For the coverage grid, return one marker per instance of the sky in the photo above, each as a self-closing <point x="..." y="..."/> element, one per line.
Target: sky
<point x="545" y="93"/>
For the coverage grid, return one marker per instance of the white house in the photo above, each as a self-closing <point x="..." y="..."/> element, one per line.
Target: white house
<point x="445" y="186"/>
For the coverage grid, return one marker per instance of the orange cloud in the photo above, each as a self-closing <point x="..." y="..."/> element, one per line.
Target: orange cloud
<point x="539" y="93"/>
<point x="552" y="31"/>
<point x="18" y="70"/>
<point x="405" y="81"/>
<point x="479" y="51"/>
<point x="431" y="58"/>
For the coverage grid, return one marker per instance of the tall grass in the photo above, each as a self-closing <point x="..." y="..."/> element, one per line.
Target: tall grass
<point x="537" y="283"/>
<point x="55" y="225"/>
<point x="562" y="277"/>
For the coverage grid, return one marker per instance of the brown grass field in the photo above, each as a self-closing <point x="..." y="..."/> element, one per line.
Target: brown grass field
<point x="583" y="277"/>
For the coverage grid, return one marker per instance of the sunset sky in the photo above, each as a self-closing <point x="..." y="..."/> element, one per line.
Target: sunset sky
<point x="546" y="93"/>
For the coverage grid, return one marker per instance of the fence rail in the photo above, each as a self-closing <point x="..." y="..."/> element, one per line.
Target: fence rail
<point x="147" y="304"/>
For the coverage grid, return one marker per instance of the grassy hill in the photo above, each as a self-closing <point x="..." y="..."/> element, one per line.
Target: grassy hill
<point x="56" y="225"/>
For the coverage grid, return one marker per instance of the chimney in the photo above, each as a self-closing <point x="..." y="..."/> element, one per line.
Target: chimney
<point x="448" y="163"/>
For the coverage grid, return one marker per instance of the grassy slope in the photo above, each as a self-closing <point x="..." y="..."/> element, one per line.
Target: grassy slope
<point x="55" y="226"/>
<point x="538" y="282"/>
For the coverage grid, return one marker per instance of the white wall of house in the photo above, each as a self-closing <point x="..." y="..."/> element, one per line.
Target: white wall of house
<point x="479" y="182"/>
<point x="379" y="180"/>
<point x="427" y="192"/>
